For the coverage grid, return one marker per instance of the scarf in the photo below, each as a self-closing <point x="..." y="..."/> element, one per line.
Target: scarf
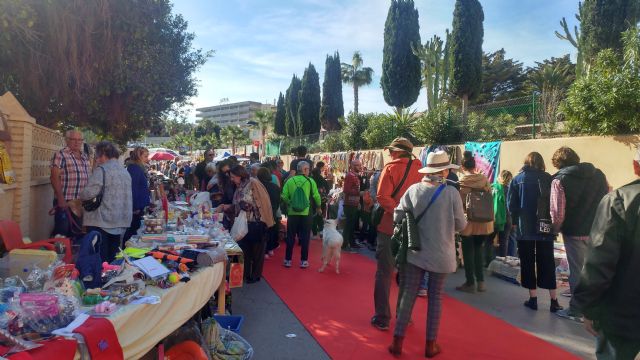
<point x="261" y="197"/>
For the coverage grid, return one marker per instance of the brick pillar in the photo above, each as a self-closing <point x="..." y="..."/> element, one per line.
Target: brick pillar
<point x="20" y="148"/>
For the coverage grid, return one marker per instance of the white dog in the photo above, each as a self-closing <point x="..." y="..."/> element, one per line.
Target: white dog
<point x="331" y="245"/>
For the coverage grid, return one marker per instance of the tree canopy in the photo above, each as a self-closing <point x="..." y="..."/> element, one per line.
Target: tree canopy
<point x="400" y="67"/>
<point x="466" y="47"/>
<point x="602" y="23"/>
<point x="279" y="126"/>
<point x="502" y="78"/>
<point x="309" y="108"/>
<point x="357" y="76"/>
<point x="291" y="104"/>
<point x="332" y="107"/>
<point x="113" y="66"/>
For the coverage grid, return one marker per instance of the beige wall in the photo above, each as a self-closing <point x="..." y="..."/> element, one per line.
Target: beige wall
<point x="31" y="148"/>
<point x="612" y="155"/>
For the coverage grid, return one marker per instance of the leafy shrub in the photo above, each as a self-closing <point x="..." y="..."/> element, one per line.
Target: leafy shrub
<point x="606" y="100"/>
<point x="438" y="126"/>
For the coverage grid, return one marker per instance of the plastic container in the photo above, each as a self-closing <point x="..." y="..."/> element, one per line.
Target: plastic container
<point x="230" y="322"/>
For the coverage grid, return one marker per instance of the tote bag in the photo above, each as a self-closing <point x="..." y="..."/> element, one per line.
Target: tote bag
<point x="240" y="228"/>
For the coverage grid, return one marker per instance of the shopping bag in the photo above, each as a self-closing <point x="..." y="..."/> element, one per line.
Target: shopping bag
<point x="236" y="275"/>
<point x="240" y="228"/>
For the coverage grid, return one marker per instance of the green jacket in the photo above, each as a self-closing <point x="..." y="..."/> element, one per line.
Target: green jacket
<point x="310" y="189"/>
<point x="499" y="206"/>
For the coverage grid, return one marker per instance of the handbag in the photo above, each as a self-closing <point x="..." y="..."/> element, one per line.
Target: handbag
<point x="405" y="235"/>
<point x="94" y="203"/>
<point x="378" y="211"/>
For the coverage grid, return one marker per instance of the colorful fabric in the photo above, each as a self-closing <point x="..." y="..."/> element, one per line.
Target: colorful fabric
<point x="487" y="157"/>
<point x="75" y="172"/>
<point x="453" y="152"/>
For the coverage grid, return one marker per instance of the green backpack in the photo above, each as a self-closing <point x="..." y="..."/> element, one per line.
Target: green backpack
<point x="299" y="199"/>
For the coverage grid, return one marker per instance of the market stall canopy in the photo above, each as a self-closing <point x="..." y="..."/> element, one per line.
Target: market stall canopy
<point x="172" y="152"/>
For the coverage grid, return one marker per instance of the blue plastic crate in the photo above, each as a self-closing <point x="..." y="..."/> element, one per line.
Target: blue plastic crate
<point x="230" y="322"/>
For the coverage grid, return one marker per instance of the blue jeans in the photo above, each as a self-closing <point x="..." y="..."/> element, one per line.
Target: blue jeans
<point x="512" y="248"/>
<point x="424" y="284"/>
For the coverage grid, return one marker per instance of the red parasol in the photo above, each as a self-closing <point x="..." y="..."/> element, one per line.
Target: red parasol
<point x="161" y="155"/>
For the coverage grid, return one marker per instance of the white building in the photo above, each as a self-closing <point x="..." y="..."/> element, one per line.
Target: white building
<point x="232" y="114"/>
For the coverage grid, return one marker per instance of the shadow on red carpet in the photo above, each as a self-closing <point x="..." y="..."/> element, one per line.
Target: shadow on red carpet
<point x="336" y="310"/>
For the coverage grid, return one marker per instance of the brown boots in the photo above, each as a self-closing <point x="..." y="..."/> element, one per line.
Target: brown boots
<point x="432" y="349"/>
<point x="396" y="347"/>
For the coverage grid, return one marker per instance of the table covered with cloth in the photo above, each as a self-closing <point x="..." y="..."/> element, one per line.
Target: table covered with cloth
<point x="141" y="327"/>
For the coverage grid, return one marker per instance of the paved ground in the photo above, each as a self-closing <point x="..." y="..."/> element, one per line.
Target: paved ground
<point x="268" y="320"/>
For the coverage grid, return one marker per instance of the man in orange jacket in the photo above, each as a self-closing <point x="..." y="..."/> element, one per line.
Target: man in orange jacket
<point x="395" y="178"/>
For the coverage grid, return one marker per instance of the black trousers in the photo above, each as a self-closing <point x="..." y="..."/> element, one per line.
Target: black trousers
<point x="253" y="246"/>
<point x="537" y="264"/>
<point x="135" y="225"/>
<point x="299" y="225"/>
<point x="272" y="236"/>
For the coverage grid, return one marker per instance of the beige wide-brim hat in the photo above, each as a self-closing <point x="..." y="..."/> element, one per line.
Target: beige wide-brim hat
<point x="436" y="162"/>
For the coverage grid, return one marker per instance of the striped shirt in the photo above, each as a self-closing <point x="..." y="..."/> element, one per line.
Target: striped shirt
<point x="75" y="172"/>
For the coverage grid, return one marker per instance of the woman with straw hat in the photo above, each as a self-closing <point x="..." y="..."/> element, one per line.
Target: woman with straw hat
<point x="439" y="214"/>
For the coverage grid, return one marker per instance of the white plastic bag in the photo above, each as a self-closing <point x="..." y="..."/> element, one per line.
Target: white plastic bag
<point x="240" y="228"/>
<point x="200" y="198"/>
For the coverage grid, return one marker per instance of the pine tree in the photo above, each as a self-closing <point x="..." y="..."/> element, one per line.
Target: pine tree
<point x="332" y="107"/>
<point x="309" y="108"/>
<point x="602" y="23"/>
<point x="279" y="126"/>
<point x="291" y="104"/>
<point x="466" y="48"/>
<point x="400" y="67"/>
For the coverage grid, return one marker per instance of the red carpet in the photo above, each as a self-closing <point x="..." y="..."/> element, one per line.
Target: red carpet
<point x="336" y="310"/>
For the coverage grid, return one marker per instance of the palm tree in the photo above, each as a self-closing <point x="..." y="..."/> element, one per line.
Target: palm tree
<point x="262" y="121"/>
<point x="357" y="76"/>
<point x="232" y="135"/>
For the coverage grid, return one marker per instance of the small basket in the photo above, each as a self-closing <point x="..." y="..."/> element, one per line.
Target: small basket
<point x="230" y="322"/>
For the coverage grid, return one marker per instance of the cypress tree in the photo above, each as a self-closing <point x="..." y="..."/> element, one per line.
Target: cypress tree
<point x="309" y="109"/>
<point x="279" y="126"/>
<point x="602" y="23"/>
<point x="466" y="49"/>
<point x="291" y="104"/>
<point x="332" y="106"/>
<point x="400" y="67"/>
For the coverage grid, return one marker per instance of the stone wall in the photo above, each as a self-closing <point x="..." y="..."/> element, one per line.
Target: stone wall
<point x="30" y="149"/>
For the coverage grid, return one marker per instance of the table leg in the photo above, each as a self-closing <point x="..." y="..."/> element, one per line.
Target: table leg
<point x="222" y="291"/>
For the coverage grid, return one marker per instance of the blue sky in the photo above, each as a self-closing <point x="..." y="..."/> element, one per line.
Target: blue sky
<point x="259" y="44"/>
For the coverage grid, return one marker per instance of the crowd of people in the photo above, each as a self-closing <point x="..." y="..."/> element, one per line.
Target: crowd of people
<point x="521" y="214"/>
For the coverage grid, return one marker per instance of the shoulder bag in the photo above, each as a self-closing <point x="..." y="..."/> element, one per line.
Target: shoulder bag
<point x="94" y="203"/>
<point x="378" y="211"/>
<point x="405" y="235"/>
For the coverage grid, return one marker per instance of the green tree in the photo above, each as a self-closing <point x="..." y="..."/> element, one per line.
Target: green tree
<point x="438" y="126"/>
<point x="332" y="107"/>
<point x="357" y="76"/>
<point x="291" y="104"/>
<point x="205" y="127"/>
<point x="233" y="136"/>
<point x="400" y="67"/>
<point x="554" y="72"/>
<point x="383" y="128"/>
<point x="436" y="68"/>
<point x="279" y="126"/>
<point x="605" y="100"/>
<point x="309" y="108"/>
<point x="355" y="126"/>
<point x="466" y="47"/>
<point x="501" y="78"/>
<point x="263" y="120"/>
<point x="113" y="66"/>
<point x="602" y="23"/>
